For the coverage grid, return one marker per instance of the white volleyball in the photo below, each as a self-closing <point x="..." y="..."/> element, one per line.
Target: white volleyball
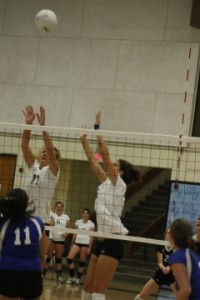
<point x="46" y="20"/>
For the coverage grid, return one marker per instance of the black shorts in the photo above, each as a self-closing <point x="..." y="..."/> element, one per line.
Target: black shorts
<point x="23" y="284"/>
<point x="47" y="231"/>
<point x="58" y="242"/>
<point x="162" y="279"/>
<point x="81" y="245"/>
<point x="109" y="247"/>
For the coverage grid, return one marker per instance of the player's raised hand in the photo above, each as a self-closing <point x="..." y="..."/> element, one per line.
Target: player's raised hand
<point x="29" y="114"/>
<point x="98" y="118"/>
<point x="83" y="135"/>
<point x="41" y="116"/>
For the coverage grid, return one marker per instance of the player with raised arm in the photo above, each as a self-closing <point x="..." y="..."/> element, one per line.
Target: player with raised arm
<point x="43" y="171"/>
<point x="109" y="204"/>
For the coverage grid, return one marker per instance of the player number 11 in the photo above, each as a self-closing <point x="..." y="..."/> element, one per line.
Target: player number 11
<point x="18" y="241"/>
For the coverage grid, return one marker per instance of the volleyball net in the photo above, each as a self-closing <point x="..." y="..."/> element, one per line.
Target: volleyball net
<point x="169" y="167"/>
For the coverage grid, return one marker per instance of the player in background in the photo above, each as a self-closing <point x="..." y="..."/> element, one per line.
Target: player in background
<point x="22" y="239"/>
<point x="163" y="274"/>
<point x="81" y="244"/>
<point x="109" y="204"/>
<point x="59" y="220"/>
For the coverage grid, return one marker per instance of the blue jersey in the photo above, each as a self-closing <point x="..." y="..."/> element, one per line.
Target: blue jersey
<point x="20" y="244"/>
<point x="192" y="263"/>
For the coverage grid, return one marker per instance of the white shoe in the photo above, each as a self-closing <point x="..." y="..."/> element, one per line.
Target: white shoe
<point x="77" y="281"/>
<point x="59" y="279"/>
<point x="71" y="280"/>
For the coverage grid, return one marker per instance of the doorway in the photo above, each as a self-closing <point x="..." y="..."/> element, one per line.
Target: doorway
<point x="7" y="173"/>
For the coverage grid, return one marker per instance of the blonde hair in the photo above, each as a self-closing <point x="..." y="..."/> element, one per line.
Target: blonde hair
<point x="57" y="153"/>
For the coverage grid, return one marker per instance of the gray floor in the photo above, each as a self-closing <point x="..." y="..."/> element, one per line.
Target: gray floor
<point x="117" y="291"/>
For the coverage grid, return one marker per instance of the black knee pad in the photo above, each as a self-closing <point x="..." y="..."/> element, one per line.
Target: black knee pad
<point x="81" y="264"/>
<point x="48" y="259"/>
<point x="70" y="261"/>
<point x="58" y="260"/>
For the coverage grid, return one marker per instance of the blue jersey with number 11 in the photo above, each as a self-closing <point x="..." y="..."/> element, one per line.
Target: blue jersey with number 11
<point x="20" y="245"/>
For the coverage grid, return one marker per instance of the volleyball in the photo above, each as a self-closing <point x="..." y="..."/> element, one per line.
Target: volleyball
<point x="46" y="20"/>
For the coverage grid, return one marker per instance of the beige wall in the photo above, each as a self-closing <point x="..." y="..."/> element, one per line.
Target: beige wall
<point x="127" y="58"/>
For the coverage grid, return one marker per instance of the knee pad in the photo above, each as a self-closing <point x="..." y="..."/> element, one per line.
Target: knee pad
<point x="98" y="296"/>
<point x="70" y="261"/>
<point x="48" y="259"/>
<point x="58" y="260"/>
<point x="81" y="264"/>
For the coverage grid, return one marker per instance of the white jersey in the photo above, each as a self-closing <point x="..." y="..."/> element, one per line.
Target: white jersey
<point x="60" y="222"/>
<point x="40" y="187"/>
<point x="81" y="238"/>
<point x="109" y="205"/>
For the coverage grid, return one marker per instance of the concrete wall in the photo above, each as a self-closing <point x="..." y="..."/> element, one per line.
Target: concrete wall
<point x="127" y="58"/>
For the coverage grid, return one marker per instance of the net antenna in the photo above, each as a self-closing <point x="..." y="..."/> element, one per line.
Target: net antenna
<point x="182" y="127"/>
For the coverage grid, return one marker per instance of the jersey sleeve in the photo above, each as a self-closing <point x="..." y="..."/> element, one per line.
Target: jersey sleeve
<point x="178" y="257"/>
<point x="92" y="225"/>
<point x="40" y="223"/>
<point x="77" y="223"/>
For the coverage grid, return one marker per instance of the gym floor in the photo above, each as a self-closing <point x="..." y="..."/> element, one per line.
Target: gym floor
<point x="117" y="291"/>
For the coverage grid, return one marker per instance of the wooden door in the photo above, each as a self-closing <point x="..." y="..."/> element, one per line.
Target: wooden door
<point x="7" y="172"/>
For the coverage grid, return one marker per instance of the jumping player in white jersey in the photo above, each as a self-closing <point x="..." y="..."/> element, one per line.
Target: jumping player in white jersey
<point x="22" y="238"/>
<point x="59" y="220"/>
<point x="43" y="171"/>
<point x="80" y="244"/>
<point x="108" y="206"/>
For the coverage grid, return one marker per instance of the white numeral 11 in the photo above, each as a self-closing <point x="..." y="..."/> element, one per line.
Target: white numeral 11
<point x="27" y="240"/>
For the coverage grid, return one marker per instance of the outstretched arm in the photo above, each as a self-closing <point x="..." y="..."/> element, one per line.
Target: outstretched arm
<point x="51" y="155"/>
<point x="97" y="169"/>
<point x="112" y="173"/>
<point x="26" y="135"/>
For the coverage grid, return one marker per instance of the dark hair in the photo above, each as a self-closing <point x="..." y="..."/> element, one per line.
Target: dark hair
<point x="182" y="233"/>
<point x="59" y="202"/>
<point x="86" y="209"/>
<point x="14" y="206"/>
<point x="130" y="174"/>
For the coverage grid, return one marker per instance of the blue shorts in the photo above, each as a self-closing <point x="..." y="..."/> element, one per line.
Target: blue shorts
<point x="109" y="247"/>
